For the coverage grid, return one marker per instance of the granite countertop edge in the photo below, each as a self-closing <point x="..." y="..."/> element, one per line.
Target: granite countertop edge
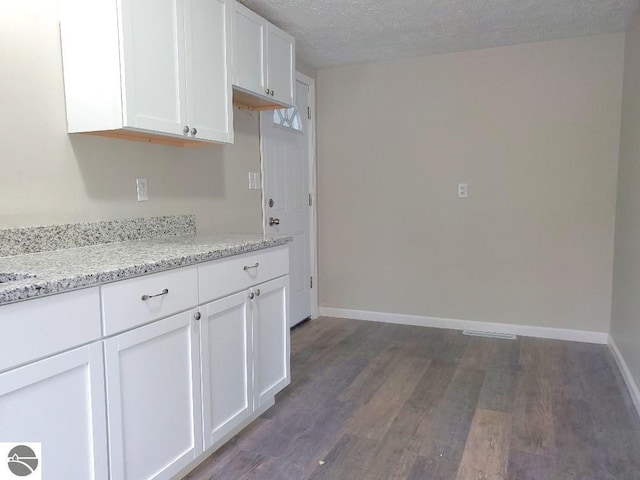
<point x="41" y="285"/>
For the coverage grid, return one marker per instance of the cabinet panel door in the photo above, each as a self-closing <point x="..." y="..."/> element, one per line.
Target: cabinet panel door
<point x="154" y="75"/>
<point x="249" y="50"/>
<point x="271" y="338"/>
<point x="226" y="366"/>
<point x="60" y="402"/>
<point x="208" y="62"/>
<point x="153" y="399"/>
<point x="280" y="64"/>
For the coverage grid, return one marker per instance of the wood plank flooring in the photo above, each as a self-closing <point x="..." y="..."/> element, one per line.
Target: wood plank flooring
<point x="388" y="402"/>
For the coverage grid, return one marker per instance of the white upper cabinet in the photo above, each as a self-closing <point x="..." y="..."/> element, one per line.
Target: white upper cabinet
<point x="281" y="65"/>
<point x="208" y="66"/>
<point x="154" y="74"/>
<point x="263" y="62"/>
<point x="148" y="69"/>
<point x="250" y="50"/>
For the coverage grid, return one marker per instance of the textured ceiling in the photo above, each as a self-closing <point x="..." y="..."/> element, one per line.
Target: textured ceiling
<point x="338" y="32"/>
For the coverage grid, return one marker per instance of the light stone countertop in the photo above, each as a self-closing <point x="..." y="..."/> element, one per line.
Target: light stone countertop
<point x="65" y="270"/>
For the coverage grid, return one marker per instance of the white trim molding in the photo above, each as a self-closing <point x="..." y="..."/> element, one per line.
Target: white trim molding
<point x="626" y="373"/>
<point x="454" y="324"/>
<point x="313" y="234"/>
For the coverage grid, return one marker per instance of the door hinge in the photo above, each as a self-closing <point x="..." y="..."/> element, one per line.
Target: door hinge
<point x="310" y="200"/>
<point x="309" y="112"/>
<point x="311" y="282"/>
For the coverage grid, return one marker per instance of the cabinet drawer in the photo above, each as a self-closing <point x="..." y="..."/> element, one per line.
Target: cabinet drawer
<point x="134" y="302"/>
<point x="38" y="328"/>
<point x="222" y="277"/>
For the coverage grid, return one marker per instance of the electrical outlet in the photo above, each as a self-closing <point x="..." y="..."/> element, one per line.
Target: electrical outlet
<point x="143" y="189"/>
<point x="463" y="190"/>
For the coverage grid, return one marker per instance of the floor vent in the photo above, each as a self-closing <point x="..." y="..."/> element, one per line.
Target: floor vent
<point x="479" y="333"/>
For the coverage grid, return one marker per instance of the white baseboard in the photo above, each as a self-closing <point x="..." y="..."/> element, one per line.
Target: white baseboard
<point x="626" y="374"/>
<point x="454" y="324"/>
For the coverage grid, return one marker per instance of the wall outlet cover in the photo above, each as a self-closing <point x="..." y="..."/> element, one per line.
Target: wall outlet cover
<point x="143" y="189"/>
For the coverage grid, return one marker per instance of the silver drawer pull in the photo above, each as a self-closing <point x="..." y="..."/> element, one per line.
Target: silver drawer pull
<point x="147" y="297"/>
<point x="247" y="267"/>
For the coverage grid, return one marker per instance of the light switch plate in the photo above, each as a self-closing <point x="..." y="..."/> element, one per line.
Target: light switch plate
<point x="254" y="181"/>
<point x="463" y="190"/>
<point x="143" y="189"/>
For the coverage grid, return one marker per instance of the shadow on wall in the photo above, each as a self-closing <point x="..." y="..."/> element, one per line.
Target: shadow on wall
<point x="110" y="166"/>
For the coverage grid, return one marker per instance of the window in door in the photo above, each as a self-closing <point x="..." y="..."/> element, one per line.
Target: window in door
<point x="288" y="118"/>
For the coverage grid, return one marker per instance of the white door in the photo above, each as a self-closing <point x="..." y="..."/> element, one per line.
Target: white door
<point x="270" y="338"/>
<point x="285" y="164"/>
<point x="153" y="399"/>
<point x="227" y="374"/>
<point x="60" y="403"/>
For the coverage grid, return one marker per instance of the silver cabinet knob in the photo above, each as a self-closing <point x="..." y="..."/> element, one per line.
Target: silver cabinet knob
<point x="186" y="129"/>
<point x="271" y="202"/>
<point x="267" y="91"/>
<point x="193" y="131"/>
<point x="251" y="295"/>
<point x="272" y="93"/>
<point x="197" y="316"/>
<point x="274" y="221"/>
<point x="258" y="292"/>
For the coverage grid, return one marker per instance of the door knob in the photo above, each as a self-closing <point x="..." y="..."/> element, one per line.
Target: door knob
<point x="274" y="221"/>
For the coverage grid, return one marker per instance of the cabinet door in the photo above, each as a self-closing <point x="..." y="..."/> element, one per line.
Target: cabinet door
<point x="280" y="65"/>
<point x="249" y="50"/>
<point x="208" y="63"/>
<point x="154" y="74"/>
<point x="225" y="337"/>
<point x="59" y="401"/>
<point x="153" y="399"/>
<point x="270" y="310"/>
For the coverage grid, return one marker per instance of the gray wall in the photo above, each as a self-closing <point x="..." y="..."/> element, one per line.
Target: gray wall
<point x="48" y="176"/>
<point x="533" y="129"/>
<point x="625" y="316"/>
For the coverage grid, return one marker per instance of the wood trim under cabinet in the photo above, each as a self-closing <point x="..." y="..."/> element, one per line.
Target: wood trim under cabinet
<point x="253" y="102"/>
<point x="148" y="138"/>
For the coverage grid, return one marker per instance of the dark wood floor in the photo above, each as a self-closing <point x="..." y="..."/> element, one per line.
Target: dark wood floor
<point x="380" y="401"/>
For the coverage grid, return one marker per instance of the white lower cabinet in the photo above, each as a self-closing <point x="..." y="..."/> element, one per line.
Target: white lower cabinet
<point x="177" y="384"/>
<point x="60" y="402"/>
<point x="270" y="312"/>
<point x="227" y="369"/>
<point x="245" y="355"/>
<point x="153" y="399"/>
